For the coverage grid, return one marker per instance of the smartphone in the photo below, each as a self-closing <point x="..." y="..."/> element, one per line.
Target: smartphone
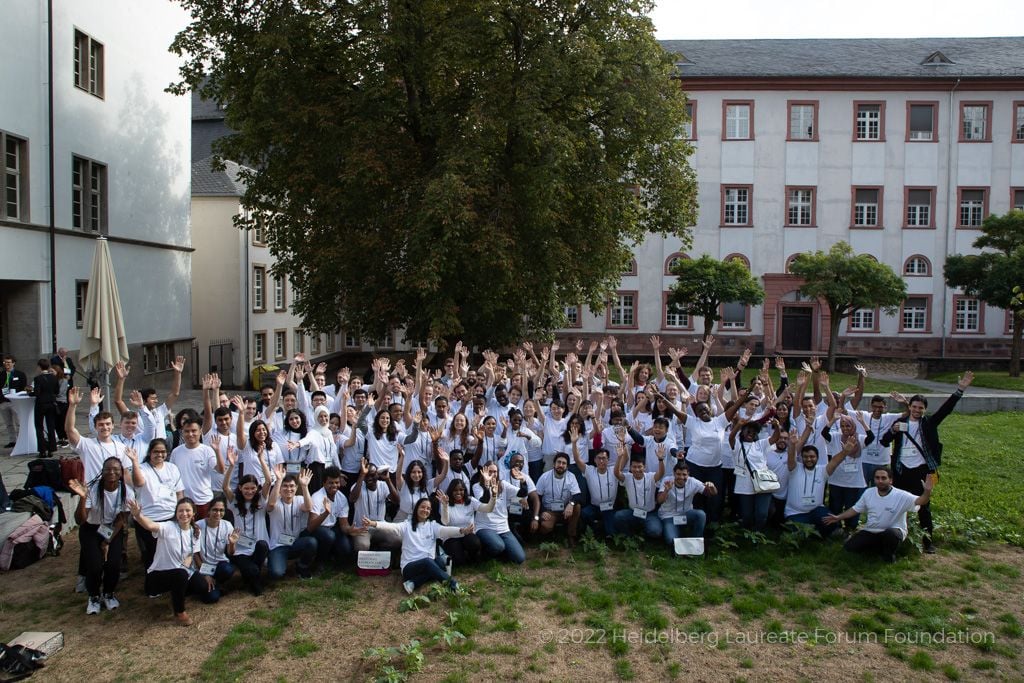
<point x="900" y="426"/>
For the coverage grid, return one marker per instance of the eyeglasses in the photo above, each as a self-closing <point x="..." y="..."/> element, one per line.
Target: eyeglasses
<point x="158" y="452"/>
<point x="216" y="511"/>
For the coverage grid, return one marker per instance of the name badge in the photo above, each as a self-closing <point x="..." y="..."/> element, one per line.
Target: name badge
<point x="245" y="543"/>
<point x="639" y="514"/>
<point x="808" y="500"/>
<point x="679" y="520"/>
<point x="515" y="508"/>
<point x="164" y="491"/>
<point x="851" y="467"/>
<point x="105" y="531"/>
<point x="208" y="568"/>
<point x="605" y="507"/>
<point x="557" y="507"/>
<point x="293" y="467"/>
<point x="874" y="450"/>
<point x="285" y="539"/>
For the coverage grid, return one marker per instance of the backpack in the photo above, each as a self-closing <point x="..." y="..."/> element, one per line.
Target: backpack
<point x="27" y="501"/>
<point x="44" y="472"/>
<point x="71" y="468"/>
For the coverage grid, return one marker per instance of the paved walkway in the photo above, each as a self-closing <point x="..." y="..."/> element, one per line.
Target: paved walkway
<point x="943" y="388"/>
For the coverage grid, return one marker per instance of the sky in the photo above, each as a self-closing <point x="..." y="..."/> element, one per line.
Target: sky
<point x="692" y="19"/>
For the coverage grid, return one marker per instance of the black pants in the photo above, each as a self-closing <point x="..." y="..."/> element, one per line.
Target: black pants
<point x="912" y="481"/>
<point x="62" y="414"/>
<point x="884" y="543"/>
<point x="100" y="571"/>
<point x="46" y="438"/>
<point x="462" y="549"/>
<point x="317" y="482"/>
<point x="177" y="583"/>
<point x="250" y="566"/>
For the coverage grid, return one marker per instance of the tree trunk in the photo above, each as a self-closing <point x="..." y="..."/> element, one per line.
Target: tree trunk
<point x="1018" y="331"/>
<point x="709" y="326"/>
<point x="833" y="336"/>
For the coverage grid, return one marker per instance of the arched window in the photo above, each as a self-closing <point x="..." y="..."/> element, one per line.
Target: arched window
<point x="917" y="266"/>
<point x="672" y="260"/>
<point x="741" y="257"/>
<point x="789" y="263"/>
<point x="631" y="269"/>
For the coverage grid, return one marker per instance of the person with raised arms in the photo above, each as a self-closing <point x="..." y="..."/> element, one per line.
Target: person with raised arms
<point x="158" y="488"/>
<point x="287" y="519"/>
<point x="217" y="542"/>
<point x="328" y="519"/>
<point x="641" y="492"/>
<point x="678" y="517"/>
<point x="248" y="505"/>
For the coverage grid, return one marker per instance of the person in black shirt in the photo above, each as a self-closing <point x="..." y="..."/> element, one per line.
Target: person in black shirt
<point x="45" y="387"/>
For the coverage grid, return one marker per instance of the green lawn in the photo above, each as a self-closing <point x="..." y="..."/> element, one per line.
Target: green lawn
<point x="984" y="378"/>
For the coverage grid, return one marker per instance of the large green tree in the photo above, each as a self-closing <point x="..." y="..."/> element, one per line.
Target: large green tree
<point x="704" y="284"/>
<point x="993" y="276"/>
<point x="847" y="282"/>
<point x="457" y="167"/>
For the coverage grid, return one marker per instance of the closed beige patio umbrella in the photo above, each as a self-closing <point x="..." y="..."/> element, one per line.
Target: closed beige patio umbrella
<point x="103" y="337"/>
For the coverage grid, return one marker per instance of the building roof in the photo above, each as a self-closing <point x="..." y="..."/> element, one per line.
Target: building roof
<point x="209" y="183"/>
<point x="856" y="58"/>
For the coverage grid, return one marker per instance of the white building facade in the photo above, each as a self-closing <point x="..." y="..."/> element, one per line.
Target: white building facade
<point x="120" y="168"/>
<point x="899" y="147"/>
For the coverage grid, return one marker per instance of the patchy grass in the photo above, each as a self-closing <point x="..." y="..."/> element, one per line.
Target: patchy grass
<point x="983" y="378"/>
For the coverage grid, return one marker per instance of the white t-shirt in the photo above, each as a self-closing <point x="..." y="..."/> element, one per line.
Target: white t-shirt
<point x="651" y="445"/>
<point x="159" y="496"/>
<point x="603" y="487"/>
<point x="229" y="440"/>
<point x="151" y="422"/>
<point x="421" y="543"/>
<point x="195" y="465"/>
<point x="406" y="498"/>
<point x="806" y="489"/>
<point x="460" y="516"/>
<point x="755" y="455"/>
<point x="888" y="511"/>
<point x="875" y="453"/>
<point x="640" y="492"/>
<point x="705" y="440"/>
<point x="556" y="493"/>
<point x="371" y="504"/>
<point x="287" y="518"/>
<point x="352" y="456"/>
<point x="249" y="463"/>
<point x="322" y="448"/>
<point x="497" y="519"/>
<point x="175" y="548"/>
<point x="383" y="452"/>
<point x="850" y="473"/>
<point x="910" y="455"/>
<point x="213" y="542"/>
<point x="339" y="507"/>
<point x="94" y="453"/>
<point x="679" y="499"/>
<point x="114" y="503"/>
<point x="778" y="462"/>
<point x="251" y="525"/>
<point x="553" y="431"/>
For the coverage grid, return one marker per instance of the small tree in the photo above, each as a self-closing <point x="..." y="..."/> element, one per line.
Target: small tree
<point x="847" y="282"/>
<point x="993" y="276"/>
<point x="705" y="284"/>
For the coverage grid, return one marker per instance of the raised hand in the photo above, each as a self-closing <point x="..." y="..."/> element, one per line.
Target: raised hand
<point x="861" y="370"/>
<point x="234" y="536"/>
<point x="132" y="455"/>
<point x="780" y="364"/>
<point x="121" y="369"/>
<point x="965" y="380"/>
<point x="280" y="471"/>
<point x="79" y="489"/>
<point x="95" y="396"/>
<point x="179" y="364"/>
<point x="206" y="382"/>
<point x="215" y="381"/>
<point x="579" y="346"/>
<point x="707" y="343"/>
<point x="135" y="398"/>
<point x="443" y="499"/>
<point x="655" y="342"/>
<point x="232" y="456"/>
<point x="134" y="508"/>
<point x="305" y="476"/>
<point x="75" y="396"/>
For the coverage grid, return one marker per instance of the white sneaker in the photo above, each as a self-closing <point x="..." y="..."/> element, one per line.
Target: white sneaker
<point x="80" y="585"/>
<point x="110" y="602"/>
<point x="93" y="607"/>
<point x="409" y="587"/>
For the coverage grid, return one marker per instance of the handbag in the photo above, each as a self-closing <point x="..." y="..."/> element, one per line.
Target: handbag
<point x="764" y="481"/>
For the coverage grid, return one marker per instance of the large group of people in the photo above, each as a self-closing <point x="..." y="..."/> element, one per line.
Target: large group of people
<point x="460" y="464"/>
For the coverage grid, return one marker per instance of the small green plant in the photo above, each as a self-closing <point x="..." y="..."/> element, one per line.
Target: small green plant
<point x="593" y="546"/>
<point x="396" y="663"/>
<point x="414" y="603"/>
<point x="549" y="549"/>
<point x="922" y="661"/>
<point x="796" y="534"/>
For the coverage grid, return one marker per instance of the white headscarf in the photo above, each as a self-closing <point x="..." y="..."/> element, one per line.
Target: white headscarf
<point x="323" y="429"/>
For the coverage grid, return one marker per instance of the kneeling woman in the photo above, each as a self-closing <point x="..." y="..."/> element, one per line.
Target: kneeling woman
<point x="218" y="541"/>
<point x="248" y="503"/>
<point x="420" y="535"/>
<point x="176" y="558"/>
<point x="288" y="519"/>
<point x="101" y="516"/>
<point x="458" y="510"/>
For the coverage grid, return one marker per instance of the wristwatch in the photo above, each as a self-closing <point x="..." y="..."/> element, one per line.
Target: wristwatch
<point x="536" y="518"/>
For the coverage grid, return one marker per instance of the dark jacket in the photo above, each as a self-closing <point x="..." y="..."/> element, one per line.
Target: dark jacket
<point x="16" y="382"/>
<point x="66" y="363"/>
<point x="45" y="389"/>
<point x="930" y="445"/>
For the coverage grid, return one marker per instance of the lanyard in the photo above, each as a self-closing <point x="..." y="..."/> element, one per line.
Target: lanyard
<point x="157" y="474"/>
<point x="606" y="479"/>
<point x="289" y="521"/>
<point x="376" y="501"/>
<point x="181" y="547"/>
<point x="675" y="498"/>
<point x="636" y="493"/>
<point x="207" y="553"/>
<point x="245" y="528"/>
<point x="561" y="492"/>
<point x="814" y="475"/>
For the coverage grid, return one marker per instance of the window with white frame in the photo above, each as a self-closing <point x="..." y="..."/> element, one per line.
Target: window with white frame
<point x="736" y="207"/>
<point x="922" y="122"/>
<point x="801" y="121"/>
<point x="623" y="311"/>
<point x="869" y="122"/>
<point x="972" y="208"/>
<point x="1018" y="122"/>
<point x="737" y="121"/>
<point x="800" y="206"/>
<point x="259" y="347"/>
<point x="974" y="121"/>
<point x="734" y="315"/>
<point x="572" y="316"/>
<point x="280" y="344"/>
<point x="865" y="207"/>
<point x="862" y="320"/>
<point x="279" y="298"/>
<point x="88" y="64"/>
<point x="916" y="265"/>
<point x="88" y="195"/>
<point x="14" y="206"/>
<point x="675" y="315"/>
<point x="81" y="293"/>
<point x="351" y="341"/>
<point x="915" y="314"/>
<point x="259" y="283"/>
<point x="689" y="126"/>
<point x="967" y="315"/>
<point x="1018" y="199"/>
<point x="259" y="230"/>
<point x="298" y="341"/>
<point x="315" y="344"/>
<point x="919" y="208"/>
<point x="330" y="342"/>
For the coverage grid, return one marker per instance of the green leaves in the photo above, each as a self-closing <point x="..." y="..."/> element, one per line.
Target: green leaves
<point x="704" y="284"/>
<point x="849" y="281"/>
<point x="456" y="168"/>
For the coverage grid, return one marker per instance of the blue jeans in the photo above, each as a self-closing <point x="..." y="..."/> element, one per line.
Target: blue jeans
<point x="841" y="498"/>
<point x="814" y="517"/>
<point x="626" y="523"/>
<point x="332" y="543"/>
<point x="592" y="513"/>
<point x="694" y="527"/>
<point x="712" y="505"/>
<point x="225" y="570"/>
<point x="581" y="480"/>
<point x="536" y="468"/>
<point x="754" y="509"/>
<point x="303" y="549"/>
<point x="497" y="545"/>
<point x="426" y="570"/>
